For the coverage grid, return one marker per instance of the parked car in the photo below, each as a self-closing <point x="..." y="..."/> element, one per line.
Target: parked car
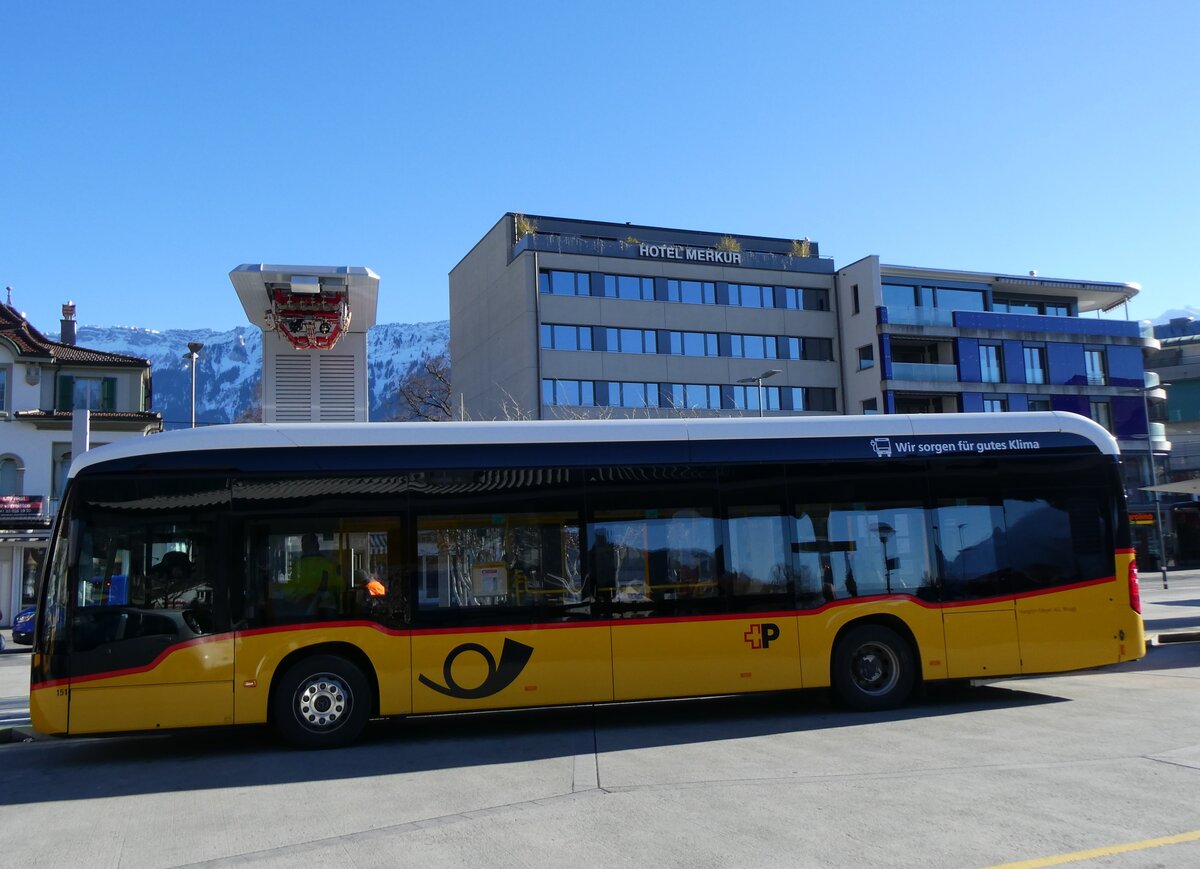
<point x="22" y="629"/>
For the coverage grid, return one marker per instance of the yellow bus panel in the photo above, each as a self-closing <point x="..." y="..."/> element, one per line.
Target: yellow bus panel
<point x="818" y="630"/>
<point x="463" y="670"/>
<point x="982" y="642"/>
<point x="259" y="653"/>
<point x="48" y="707"/>
<point x="708" y="656"/>
<point x="150" y="707"/>
<point x="1071" y="628"/>
<point x="191" y="685"/>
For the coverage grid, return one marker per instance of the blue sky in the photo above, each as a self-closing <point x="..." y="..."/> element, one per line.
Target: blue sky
<point x="148" y="148"/>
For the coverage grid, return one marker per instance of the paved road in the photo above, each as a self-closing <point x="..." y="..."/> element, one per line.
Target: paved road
<point x="1012" y="771"/>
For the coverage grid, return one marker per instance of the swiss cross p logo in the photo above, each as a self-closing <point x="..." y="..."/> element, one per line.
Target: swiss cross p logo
<point x="762" y="635"/>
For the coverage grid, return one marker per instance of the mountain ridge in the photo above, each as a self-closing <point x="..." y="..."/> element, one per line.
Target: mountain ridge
<point x="229" y="366"/>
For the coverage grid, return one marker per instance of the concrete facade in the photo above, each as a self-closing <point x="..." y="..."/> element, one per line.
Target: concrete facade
<point x="503" y="366"/>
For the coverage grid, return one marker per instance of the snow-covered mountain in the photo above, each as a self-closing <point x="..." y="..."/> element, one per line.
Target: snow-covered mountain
<point x="229" y="370"/>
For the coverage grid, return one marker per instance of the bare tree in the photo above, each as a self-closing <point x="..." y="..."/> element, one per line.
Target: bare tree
<point x="425" y="394"/>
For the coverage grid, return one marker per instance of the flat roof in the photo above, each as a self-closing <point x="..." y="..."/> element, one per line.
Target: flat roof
<point x="250" y="281"/>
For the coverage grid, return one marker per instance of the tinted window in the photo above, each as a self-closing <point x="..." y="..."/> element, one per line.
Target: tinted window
<point x="498" y="545"/>
<point x="150" y="566"/>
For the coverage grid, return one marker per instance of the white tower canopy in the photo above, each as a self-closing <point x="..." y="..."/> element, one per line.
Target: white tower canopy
<point x="316" y="369"/>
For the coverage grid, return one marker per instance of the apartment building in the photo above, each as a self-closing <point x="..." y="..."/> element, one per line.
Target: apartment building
<point x="43" y="384"/>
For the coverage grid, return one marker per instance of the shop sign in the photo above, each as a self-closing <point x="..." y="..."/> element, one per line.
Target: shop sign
<point x="690" y="254"/>
<point x="21" y="506"/>
<point x="1141" y="518"/>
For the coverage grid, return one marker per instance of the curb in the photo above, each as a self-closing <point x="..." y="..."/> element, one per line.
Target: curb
<point x="1176" y="637"/>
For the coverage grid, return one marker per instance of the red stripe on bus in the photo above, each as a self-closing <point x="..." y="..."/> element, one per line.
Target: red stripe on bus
<point x="544" y="626"/>
<point x="145" y="668"/>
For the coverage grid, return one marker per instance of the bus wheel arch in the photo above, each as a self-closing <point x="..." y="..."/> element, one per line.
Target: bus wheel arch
<point x="322" y="696"/>
<point x="874" y="663"/>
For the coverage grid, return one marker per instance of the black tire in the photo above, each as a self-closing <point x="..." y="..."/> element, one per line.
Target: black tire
<point x="873" y="668"/>
<point x="322" y="701"/>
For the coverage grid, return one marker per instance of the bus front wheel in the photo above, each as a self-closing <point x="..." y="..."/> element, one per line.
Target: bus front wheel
<point x="873" y="668"/>
<point x="322" y="702"/>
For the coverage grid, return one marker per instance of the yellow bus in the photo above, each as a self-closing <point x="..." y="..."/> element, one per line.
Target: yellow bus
<point x="316" y="576"/>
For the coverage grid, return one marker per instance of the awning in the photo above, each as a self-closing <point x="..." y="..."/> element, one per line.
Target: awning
<point x="24" y="536"/>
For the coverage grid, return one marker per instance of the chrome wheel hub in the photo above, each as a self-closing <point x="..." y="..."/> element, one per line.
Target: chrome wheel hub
<point x="322" y="702"/>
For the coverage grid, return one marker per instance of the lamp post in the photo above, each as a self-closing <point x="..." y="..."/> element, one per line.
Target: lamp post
<point x="757" y="381"/>
<point x="1162" y="550"/>
<point x="194" y="348"/>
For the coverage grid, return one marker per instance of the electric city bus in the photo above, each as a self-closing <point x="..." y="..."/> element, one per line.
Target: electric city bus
<point x="313" y="576"/>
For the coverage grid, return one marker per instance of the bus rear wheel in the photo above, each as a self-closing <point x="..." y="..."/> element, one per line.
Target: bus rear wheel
<point x="873" y="668"/>
<point x="322" y="702"/>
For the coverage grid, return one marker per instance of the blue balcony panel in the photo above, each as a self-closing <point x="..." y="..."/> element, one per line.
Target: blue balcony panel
<point x="1056" y="325"/>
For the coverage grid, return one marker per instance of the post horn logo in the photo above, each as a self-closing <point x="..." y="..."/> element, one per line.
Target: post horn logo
<point x="513" y="658"/>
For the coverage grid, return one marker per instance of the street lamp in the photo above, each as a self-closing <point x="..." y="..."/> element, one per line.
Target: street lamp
<point x="758" y="382"/>
<point x="1162" y="550"/>
<point x="194" y="348"/>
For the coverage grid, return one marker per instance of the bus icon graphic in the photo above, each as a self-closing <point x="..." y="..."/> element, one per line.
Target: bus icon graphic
<point x="882" y="447"/>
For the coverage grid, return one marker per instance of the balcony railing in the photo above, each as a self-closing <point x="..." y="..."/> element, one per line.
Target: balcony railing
<point x="911" y="315"/>
<point x="927" y="371"/>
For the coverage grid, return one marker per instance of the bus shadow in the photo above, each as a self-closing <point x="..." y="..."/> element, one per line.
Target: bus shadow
<point x="55" y="770"/>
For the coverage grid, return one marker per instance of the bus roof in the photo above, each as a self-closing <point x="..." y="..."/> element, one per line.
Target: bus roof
<point x="277" y="436"/>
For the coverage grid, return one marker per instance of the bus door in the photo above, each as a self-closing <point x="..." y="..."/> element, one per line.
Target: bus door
<point x="1062" y="550"/>
<point x="503" y="609"/>
<point x="146" y="649"/>
<point x="974" y="571"/>
<point x="698" y="591"/>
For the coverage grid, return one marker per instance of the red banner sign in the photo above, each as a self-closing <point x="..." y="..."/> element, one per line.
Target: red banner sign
<point x="21" y="506"/>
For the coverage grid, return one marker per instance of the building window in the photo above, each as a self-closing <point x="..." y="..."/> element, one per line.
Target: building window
<point x="568" y="393"/>
<point x="11" y="476"/>
<point x="991" y="364"/>
<point x="1039" y="404"/>
<point x="870" y="405"/>
<point x="854" y="297"/>
<point x="629" y="287"/>
<point x="557" y="337"/>
<point x="753" y="346"/>
<point x="1035" y="364"/>
<point x="751" y="296"/>
<point x="995" y="405"/>
<point x="1037" y="307"/>
<point x="693" y="343"/>
<point x="1093" y="362"/>
<point x="630" y="340"/>
<point x="5" y="380"/>
<point x="692" y="292"/>
<point x="805" y="299"/>
<point x="565" y="283"/>
<point x="814" y="398"/>
<point x="87" y="393"/>
<point x="1102" y="413"/>
<point x="746" y="397"/>
<point x="694" y="396"/>
<point x="866" y="356"/>
<point x="809" y="349"/>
